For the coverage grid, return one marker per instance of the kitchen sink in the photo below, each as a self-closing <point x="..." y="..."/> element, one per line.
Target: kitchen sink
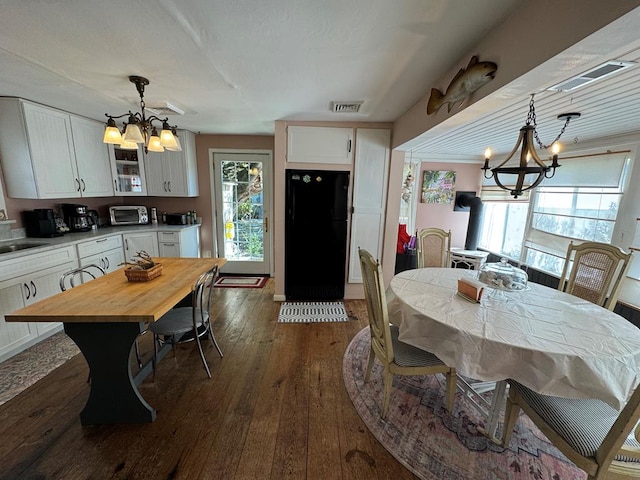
<point x="14" y="247"/>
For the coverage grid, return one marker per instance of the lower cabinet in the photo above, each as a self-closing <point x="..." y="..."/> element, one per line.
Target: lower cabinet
<point x="135" y="242"/>
<point x="183" y="243"/>
<point x="26" y="281"/>
<point x="105" y="252"/>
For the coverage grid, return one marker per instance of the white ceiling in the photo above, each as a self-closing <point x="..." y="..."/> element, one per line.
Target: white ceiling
<point x="235" y="67"/>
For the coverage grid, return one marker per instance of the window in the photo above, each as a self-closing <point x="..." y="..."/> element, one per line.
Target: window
<point x="568" y="207"/>
<point x="503" y="228"/>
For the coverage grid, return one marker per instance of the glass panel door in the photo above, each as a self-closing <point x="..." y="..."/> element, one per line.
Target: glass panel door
<point x="242" y="211"/>
<point x="129" y="173"/>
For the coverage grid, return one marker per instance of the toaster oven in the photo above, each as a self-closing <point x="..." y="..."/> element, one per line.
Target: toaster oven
<point x="128" y="215"/>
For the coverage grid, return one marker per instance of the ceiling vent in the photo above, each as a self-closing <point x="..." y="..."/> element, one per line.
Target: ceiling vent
<point x="598" y="73"/>
<point x="164" y="109"/>
<point x="346" y="107"/>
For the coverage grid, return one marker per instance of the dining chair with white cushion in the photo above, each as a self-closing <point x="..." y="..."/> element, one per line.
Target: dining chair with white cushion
<point x="187" y="324"/>
<point x="594" y="271"/>
<point x="433" y="245"/>
<point x="598" y="439"/>
<point x="397" y="358"/>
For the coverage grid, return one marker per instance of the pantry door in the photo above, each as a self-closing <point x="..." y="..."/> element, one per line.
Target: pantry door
<point x="242" y="205"/>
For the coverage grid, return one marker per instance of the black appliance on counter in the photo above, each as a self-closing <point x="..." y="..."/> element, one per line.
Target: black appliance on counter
<point x="40" y="222"/>
<point x="315" y="234"/>
<point x="77" y="217"/>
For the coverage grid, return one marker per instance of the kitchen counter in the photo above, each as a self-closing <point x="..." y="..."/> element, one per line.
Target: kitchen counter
<point x="73" y="238"/>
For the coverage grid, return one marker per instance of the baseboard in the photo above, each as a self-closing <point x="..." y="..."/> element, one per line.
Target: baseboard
<point x="279" y="298"/>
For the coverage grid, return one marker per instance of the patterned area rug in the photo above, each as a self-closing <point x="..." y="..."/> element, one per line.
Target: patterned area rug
<point x="434" y="445"/>
<point x="26" y="368"/>
<point x="312" y="312"/>
<point x="241" y="282"/>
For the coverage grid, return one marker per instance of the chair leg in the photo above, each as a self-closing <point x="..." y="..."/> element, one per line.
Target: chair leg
<point x="388" y="381"/>
<point x="214" y="342"/>
<point x="452" y="385"/>
<point x="372" y="358"/>
<point x="202" y="357"/>
<point x="511" y="413"/>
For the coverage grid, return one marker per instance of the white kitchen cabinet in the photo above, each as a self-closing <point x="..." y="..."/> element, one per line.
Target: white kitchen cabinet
<point x="173" y="174"/>
<point x="369" y="195"/>
<point x="127" y="169"/>
<point x="15" y="334"/>
<point x="92" y="158"/>
<point x="105" y="252"/>
<point x="183" y="243"/>
<point x="25" y="280"/>
<point x="319" y="145"/>
<point x="138" y="241"/>
<point x="40" y="158"/>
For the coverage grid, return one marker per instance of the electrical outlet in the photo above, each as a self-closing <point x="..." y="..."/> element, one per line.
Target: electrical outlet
<point x="206" y="254"/>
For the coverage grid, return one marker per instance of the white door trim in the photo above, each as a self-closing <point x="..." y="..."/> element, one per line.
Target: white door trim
<point x="268" y="201"/>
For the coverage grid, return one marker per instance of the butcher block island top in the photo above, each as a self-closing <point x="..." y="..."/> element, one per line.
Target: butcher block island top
<point x="112" y="298"/>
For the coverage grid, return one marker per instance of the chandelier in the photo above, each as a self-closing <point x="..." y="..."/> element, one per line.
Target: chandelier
<point x="140" y="129"/>
<point x="512" y="178"/>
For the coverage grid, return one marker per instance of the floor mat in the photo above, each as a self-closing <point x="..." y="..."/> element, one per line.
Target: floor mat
<point x="241" y="282"/>
<point x="312" y="312"/>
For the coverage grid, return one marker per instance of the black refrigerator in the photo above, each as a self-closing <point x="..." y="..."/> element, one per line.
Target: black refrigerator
<point x="315" y="234"/>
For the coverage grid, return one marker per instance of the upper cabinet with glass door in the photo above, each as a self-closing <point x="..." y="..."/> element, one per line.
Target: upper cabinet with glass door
<point x="127" y="169"/>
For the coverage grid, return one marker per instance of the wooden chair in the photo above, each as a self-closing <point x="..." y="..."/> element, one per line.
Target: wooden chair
<point x="434" y="246"/>
<point x="591" y="434"/>
<point x="186" y="324"/>
<point x="397" y="358"/>
<point x="594" y="271"/>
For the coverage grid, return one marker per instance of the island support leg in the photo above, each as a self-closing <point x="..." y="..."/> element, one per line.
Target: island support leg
<point x="114" y="396"/>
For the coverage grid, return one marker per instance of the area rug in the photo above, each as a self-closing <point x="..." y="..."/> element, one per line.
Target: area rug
<point x="27" y="367"/>
<point x="434" y="445"/>
<point x="312" y="312"/>
<point x="241" y="282"/>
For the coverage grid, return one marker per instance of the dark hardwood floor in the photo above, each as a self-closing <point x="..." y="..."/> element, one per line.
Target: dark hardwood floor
<point x="275" y="408"/>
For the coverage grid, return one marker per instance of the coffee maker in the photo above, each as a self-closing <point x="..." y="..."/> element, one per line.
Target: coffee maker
<point x="77" y="217"/>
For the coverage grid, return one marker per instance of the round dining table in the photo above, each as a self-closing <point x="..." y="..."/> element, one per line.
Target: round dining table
<point x="552" y="342"/>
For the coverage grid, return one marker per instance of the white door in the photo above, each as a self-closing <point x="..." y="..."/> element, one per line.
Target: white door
<point x="242" y="201"/>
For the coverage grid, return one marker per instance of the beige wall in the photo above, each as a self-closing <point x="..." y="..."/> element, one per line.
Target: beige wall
<point x="220" y="142"/>
<point x="520" y="50"/>
<point x="468" y="178"/>
<point x="280" y="164"/>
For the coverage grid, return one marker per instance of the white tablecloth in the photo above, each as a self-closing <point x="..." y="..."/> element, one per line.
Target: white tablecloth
<point x="550" y="341"/>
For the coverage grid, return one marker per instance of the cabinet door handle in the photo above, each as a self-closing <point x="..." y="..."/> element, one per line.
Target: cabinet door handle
<point x="78" y="183"/>
<point x="169" y="185"/>
<point x="169" y="244"/>
<point x="115" y="185"/>
<point x="107" y="263"/>
<point x="102" y="240"/>
<point x="28" y="292"/>
<point x="83" y="185"/>
<point x="266" y="224"/>
<point x="349" y="147"/>
<point x="126" y="243"/>
<point x="164" y="185"/>
<point x="35" y="290"/>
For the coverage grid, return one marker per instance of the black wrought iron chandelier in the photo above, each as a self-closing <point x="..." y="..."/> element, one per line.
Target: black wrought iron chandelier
<point x="140" y="129"/>
<point x="516" y="176"/>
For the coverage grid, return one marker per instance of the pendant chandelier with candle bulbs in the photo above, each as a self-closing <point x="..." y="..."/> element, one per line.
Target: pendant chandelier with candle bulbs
<point x="512" y="178"/>
<point x="141" y="129"/>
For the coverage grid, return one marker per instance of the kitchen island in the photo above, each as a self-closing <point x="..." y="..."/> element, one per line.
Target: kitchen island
<point x="104" y="317"/>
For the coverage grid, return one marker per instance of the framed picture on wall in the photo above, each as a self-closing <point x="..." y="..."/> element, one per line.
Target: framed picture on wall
<point x="438" y="186"/>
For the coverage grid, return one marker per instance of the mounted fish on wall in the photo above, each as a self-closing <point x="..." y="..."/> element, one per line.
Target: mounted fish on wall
<point x="463" y="85"/>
